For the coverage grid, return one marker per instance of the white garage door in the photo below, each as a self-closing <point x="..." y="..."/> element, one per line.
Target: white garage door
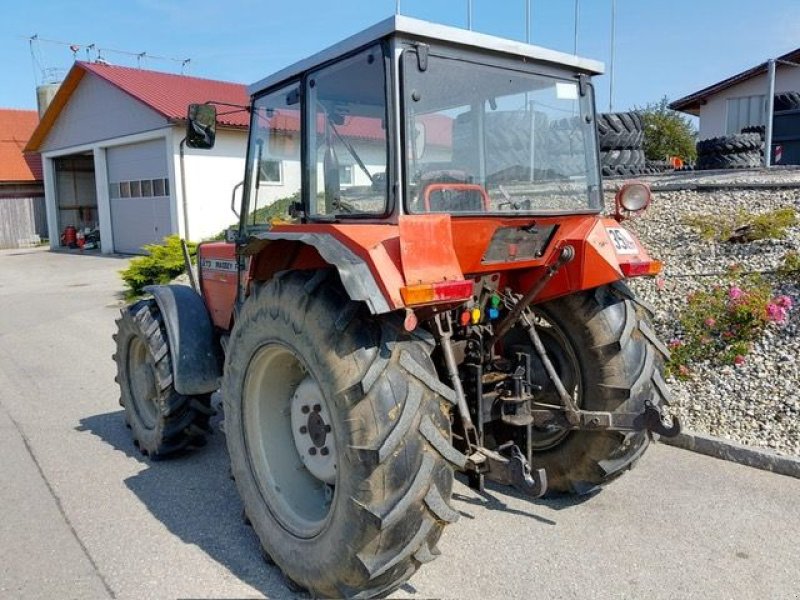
<point x="140" y="195"/>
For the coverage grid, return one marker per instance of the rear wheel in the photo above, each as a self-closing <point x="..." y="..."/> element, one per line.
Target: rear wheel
<point x="162" y="420"/>
<point x="339" y="438"/>
<point x="606" y="354"/>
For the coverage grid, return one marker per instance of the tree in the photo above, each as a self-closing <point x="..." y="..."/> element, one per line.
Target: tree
<point x="667" y="132"/>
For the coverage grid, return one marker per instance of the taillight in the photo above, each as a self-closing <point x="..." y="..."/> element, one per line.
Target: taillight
<point x="639" y="268"/>
<point x="443" y="291"/>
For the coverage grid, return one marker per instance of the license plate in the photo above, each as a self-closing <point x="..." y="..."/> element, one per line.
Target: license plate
<point x="623" y="241"/>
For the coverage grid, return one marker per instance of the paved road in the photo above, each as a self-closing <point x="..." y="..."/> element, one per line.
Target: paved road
<point x="84" y="516"/>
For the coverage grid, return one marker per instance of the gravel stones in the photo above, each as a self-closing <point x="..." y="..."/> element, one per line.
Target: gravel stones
<point x="756" y="403"/>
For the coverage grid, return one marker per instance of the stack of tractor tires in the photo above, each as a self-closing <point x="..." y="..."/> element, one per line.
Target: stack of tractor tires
<point x="740" y="151"/>
<point x="621" y="137"/>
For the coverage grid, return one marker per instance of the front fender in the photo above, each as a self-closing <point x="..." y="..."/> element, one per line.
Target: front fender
<point x="193" y="348"/>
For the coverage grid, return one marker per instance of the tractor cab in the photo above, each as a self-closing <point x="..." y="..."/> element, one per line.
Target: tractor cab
<point x="412" y="118"/>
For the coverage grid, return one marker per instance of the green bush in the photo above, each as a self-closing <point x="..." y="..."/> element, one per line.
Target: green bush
<point x="720" y="324"/>
<point x="163" y="263"/>
<point x="769" y="225"/>
<point x="667" y="132"/>
<point x="790" y="269"/>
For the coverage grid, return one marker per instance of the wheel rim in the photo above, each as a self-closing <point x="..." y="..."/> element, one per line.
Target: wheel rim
<point x="142" y="384"/>
<point x="296" y="480"/>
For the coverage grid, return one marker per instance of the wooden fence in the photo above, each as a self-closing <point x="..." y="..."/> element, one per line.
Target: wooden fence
<point x="21" y="220"/>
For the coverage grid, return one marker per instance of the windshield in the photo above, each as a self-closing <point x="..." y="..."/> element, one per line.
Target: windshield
<point x="484" y="139"/>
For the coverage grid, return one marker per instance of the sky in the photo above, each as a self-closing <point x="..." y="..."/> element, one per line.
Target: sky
<point x="663" y="47"/>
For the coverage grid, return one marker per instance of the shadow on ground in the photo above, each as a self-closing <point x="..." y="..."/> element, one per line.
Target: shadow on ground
<point x="194" y="497"/>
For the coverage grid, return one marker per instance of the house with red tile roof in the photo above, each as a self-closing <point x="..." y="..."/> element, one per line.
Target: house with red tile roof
<point x="22" y="212"/>
<point x="110" y="143"/>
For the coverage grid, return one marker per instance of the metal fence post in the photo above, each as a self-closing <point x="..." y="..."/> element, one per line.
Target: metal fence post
<point x="770" y="113"/>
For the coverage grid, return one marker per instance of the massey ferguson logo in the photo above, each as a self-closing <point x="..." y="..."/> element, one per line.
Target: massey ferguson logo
<point x="215" y="264"/>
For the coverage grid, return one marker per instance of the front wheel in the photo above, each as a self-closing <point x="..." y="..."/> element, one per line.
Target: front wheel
<point x="337" y="436"/>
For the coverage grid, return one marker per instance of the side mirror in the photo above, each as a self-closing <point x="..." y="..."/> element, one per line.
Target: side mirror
<point x="232" y="235"/>
<point x="201" y="126"/>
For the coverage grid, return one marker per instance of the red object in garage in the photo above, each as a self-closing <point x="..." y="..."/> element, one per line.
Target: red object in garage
<point x="69" y="237"/>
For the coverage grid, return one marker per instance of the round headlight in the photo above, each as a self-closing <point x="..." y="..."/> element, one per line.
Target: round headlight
<point x="634" y="197"/>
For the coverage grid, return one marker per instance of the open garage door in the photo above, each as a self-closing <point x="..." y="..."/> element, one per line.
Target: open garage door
<point x="140" y="195"/>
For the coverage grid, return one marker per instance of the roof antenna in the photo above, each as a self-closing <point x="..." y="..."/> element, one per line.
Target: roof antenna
<point x="184" y="63"/>
<point x="139" y="58"/>
<point x="469" y="15"/>
<point x="74" y="48"/>
<point x="397" y="7"/>
<point x="88" y="48"/>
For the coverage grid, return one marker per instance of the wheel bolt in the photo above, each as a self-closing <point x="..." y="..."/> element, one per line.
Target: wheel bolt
<point x="324" y="451"/>
<point x="327" y="428"/>
<point x="317" y="408"/>
<point x="303" y="429"/>
<point x="312" y="451"/>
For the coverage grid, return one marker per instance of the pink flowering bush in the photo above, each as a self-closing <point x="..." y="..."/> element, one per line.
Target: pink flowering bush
<point x="720" y="324"/>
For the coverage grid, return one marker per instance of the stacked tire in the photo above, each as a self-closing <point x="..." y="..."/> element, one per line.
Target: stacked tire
<point x="740" y="151"/>
<point x="621" y="138"/>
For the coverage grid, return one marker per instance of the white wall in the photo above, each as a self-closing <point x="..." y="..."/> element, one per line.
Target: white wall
<point x="714" y="114"/>
<point x="210" y="178"/>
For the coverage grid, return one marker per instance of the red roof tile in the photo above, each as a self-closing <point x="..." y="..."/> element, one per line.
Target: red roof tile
<point x="16" y="127"/>
<point x="170" y="94"/>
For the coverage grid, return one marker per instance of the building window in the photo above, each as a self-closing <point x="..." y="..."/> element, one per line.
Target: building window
<point x="158" y="187"/>
<point x="745" y="112"/>
<point x="142" y="188"/>
<point x="271" y="171"/>
<point x="346" y="174"/>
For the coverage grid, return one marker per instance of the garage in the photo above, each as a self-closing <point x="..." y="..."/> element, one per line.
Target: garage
<point x="139" y="194"/>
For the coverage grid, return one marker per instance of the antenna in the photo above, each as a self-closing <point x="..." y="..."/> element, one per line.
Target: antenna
<point x="397" y="7"/>
<point x="577" y="22"/>
<point x="469" y="15"/>
<point x="528" y="21"/>
<point x="613" y="52"/>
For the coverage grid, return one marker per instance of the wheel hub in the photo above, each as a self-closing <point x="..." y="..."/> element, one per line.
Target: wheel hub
<point x="310" y="431"/>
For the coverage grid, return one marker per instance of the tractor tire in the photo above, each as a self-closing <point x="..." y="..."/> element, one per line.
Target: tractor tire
<point x="161" y="420"/>
<point x="787" y="101"/>
<point x="731" y="144"/>
<point x="744" y="160"/>
<point x="626" y="140"/>
<point x="633" y="158"/>
<point x="619" y="123"/>
<point x="604" y="349"/>
<point x="348" y="498"/>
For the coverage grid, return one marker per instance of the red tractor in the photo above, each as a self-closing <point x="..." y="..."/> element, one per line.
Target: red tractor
<point x="422" y="281"/>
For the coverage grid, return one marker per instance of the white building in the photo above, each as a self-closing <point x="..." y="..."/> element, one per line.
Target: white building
<point x="110" y="141"/>
<point x="726" y="107"/>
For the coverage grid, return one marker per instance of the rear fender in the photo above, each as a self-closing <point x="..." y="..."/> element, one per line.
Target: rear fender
<point x="195" y="354"/>
<point x="354" y="271"/>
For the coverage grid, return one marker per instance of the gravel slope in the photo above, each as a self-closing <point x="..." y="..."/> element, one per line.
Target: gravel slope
<point x="757" y="403"/>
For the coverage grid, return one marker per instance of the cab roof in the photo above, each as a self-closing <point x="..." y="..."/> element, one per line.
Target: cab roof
<point x="424" y="30"/>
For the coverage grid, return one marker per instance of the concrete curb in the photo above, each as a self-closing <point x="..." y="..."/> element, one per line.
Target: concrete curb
<point x="728" y="450"/>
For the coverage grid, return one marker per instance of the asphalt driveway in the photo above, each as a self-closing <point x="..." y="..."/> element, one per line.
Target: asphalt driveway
<point x="85" y="516"/>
